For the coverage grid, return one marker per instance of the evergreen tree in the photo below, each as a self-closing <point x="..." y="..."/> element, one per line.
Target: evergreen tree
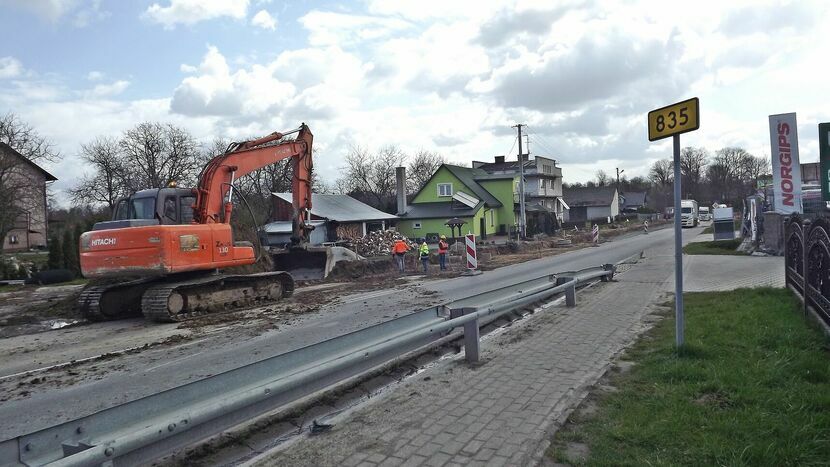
<point x="70" y="253"/>
<point x="55" y="253"/>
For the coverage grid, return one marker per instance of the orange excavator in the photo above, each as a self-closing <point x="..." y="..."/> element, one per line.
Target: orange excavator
<point x="170" y="243"/>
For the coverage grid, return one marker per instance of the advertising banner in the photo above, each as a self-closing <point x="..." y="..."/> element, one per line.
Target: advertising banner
<point x="824" y="159"/>
<point x="786" y="169"/>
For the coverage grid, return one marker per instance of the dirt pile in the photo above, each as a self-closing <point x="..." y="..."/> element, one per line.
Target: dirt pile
<point x="379" y="243"/>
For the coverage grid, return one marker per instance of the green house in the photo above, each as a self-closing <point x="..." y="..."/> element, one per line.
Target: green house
<point x="483" y="200"/>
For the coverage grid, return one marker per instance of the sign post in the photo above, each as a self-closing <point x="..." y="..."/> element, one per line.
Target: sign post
<point x="824" y="157"/>
<point x="673" y="120"/>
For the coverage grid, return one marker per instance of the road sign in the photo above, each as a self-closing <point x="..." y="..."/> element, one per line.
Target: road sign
<point x="674" y="119"/>
<point x="824" y="157"/>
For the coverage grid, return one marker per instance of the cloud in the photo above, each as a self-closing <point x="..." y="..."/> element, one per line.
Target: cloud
<point x="264" y="20"/>
<point x="216" y="90"/>
<point x="10" y="67"/>
<point x="108" y="90"/>
<point x="95" y="76"/>
<point x="514" y="24"/>
<point x="343" y="30"/>
<point x="83" y="12"/>
<point x="190" y="12"/>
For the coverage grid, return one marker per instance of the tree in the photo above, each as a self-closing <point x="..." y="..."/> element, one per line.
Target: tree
<point x="371" y="177"/>
<point x="17" y="187"/>
<point x="662" y="175"/>
<point x="109" y="179"/>
<point x="70" y="253"/>
<point x="158" y="154"/>
<point x="55" y="260"/>
<point x="421" y="168"/>
<point x="602" y="178"/>
<point x="693" y="167"/>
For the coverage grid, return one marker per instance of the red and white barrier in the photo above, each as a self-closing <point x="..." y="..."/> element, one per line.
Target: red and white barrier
<point x="472" y="261"/>
<point x="595" y="234"/>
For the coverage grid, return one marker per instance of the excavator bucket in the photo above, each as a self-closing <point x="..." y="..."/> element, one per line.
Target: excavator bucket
<point x="312" y="263"/>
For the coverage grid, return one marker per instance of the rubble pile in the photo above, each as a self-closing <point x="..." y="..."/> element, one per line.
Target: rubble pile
<point x="379" y="242"/>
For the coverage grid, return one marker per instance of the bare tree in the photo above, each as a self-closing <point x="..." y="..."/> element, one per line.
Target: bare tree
<point x="733" y="171"/>
<point x="693" y="169"/>
<point x="661" y="175"/>
<point x="109" y="179"/>
<point x="18" y="187"/>
<point x="421" y="168"/>
<point x="160" y="154"/>
<point x="602" y="178"/>
<point x="371" y="177"/>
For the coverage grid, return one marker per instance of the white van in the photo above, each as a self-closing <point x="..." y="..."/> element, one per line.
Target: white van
<point x="688" y="213"/>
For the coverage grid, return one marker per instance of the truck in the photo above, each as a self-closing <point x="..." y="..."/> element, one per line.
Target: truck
<point x="688" y="213"/>
<point x="704" y="214"/>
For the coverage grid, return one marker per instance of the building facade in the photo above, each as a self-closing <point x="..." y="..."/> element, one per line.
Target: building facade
<point x="483" y="201"/>
<point x="591" y="204"/>
<point x="30" y="226"/>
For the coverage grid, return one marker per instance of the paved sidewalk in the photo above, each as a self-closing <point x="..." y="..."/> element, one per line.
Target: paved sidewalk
<point x="501" y="411"/>
<point x="709" y="273"/>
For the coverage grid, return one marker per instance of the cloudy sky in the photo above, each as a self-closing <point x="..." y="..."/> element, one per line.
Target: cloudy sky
<point x="447" y="76"/>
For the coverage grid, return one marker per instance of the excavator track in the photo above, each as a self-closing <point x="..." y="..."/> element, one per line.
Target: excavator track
<point x="179" y="301"/>
<point x="113" y="301"/>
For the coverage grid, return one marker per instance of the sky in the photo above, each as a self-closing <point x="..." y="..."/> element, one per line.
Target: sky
<point x="446" y="76"/>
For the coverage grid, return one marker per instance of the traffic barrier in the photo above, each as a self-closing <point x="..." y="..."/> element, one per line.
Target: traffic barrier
<point x="140" y="431"/>
<point x="470" y="242"/>
<point x="595" y="235"/>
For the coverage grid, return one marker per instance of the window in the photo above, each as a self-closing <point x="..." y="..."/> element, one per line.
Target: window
<point x="445" y="189"/>
<point x="416" y="225"/>
<point x="186" y="208"/>
<point x="13" y="240"/>
<point x="170" y="208"/>
<point x="143" y="208"/>
<point x="547" y="169"/>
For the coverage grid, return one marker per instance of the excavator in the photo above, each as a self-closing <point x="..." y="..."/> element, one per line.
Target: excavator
<point x="163" y="250"/>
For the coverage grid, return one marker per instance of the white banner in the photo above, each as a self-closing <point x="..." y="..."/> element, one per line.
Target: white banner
<point x="786" y="169"/>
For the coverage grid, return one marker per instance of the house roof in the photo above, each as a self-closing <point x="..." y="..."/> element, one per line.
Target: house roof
<point x="589" y="196"/>
<point x="635" y="198"/>
<point x="439" y="210"/>
<point x="6" y="148"/>
<point x="286" y="227"/>
<point x="340" y="208"/>
<point x="468" y="177"/>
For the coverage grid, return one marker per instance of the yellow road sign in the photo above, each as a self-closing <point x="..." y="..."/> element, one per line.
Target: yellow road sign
<point x="673" y="119"/>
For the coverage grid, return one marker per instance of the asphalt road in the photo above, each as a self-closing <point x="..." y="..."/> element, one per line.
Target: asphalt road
<point x="132" y="376"/>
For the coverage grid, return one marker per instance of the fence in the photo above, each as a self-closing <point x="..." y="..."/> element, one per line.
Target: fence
<point x="807" y="262"/>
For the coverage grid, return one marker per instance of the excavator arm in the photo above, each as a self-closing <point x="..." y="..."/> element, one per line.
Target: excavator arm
<point x="215" y="189"/>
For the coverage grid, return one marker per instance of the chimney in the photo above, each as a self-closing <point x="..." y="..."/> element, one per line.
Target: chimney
<point x="400" y="179"/>
<point x="499" y="159"/>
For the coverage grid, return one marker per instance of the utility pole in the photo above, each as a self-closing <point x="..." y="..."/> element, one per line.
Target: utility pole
<point x="522" y="218"/>
<point x="618" y="186"/>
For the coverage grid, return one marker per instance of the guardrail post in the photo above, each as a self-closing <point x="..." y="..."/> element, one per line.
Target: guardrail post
<point x="570" y="294"/>
<point x="471" y="333"/>
<point x="471" y="341"/>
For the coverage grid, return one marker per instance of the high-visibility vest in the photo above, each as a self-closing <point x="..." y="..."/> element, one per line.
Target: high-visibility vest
<point x="424" y="250"/>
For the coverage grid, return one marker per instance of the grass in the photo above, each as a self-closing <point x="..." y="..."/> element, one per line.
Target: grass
<point x="718" y="247"/>
<point x="708" y="230"/>
<point x="751" y="387"/>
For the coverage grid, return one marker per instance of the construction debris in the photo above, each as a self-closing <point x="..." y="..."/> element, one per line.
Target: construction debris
<point x="379" y="243"/>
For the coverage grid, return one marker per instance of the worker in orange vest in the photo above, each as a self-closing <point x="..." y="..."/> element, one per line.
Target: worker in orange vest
<point x="399" y="249"/>
<point x="443" y="246"/>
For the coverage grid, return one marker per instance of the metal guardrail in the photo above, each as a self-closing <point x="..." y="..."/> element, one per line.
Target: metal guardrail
<point x="140" y="431"/>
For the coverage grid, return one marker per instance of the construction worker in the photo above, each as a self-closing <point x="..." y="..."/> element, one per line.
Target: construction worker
<point x="399" y="249"/>
<point x="443" y="246"/>
<point x="423" y="253"/>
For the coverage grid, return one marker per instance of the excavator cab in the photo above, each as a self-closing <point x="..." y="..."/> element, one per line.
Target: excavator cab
<point x="158" y="206"/>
